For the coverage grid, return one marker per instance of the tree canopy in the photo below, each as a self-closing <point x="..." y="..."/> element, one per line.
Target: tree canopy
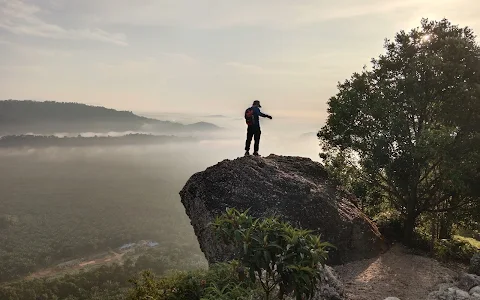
<point x="410" y="125"/>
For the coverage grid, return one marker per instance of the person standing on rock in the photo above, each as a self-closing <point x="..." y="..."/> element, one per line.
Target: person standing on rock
<point x="252" y="118"/>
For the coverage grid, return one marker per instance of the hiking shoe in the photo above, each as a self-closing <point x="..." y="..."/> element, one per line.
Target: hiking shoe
<point x="247" y="153"/>
<point x="256" y="154"/>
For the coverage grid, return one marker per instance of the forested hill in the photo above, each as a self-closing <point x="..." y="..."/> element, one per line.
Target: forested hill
<point x="24" y="116"/>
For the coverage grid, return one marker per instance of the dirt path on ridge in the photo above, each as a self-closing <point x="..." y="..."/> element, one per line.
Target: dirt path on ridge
<point x="395" y="273"/>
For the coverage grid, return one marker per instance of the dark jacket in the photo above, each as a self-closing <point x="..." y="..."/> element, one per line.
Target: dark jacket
<point x="256" y="116"/>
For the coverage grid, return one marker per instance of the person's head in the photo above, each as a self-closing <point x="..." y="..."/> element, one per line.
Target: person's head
<point x="256" y="103"/>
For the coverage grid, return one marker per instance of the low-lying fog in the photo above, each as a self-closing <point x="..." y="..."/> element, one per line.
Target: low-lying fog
<point x="91" y="198"/>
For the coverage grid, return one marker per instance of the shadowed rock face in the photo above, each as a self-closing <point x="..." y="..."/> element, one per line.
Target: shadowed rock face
<point x="295" y="189"/>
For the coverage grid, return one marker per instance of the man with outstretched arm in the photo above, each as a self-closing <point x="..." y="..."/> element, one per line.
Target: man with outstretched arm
<point x="252" y="118"/>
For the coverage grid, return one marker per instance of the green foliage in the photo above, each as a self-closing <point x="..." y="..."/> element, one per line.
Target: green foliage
<point x="60" y="206"/>
<point x="410" y="126"/>
<point x="105" y="282"/>
<point x="221" y="281"/>
<point x="348" y="176"/>
<point x="455" y="249"/>
<point x="275" y="253"/>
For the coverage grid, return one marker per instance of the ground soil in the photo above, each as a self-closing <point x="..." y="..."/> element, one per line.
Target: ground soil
<point x="396" y="273"/>
<point x="112" y="257"/>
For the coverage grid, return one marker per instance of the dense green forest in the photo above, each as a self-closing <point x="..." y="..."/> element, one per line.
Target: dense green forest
<point x="46" y="117"/>
<point x="64" y="204"/>
<point x="112" y="281"/>
<point x="36" y="141"/>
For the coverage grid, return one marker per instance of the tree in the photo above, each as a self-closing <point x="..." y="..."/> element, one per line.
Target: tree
<point x="411" y="124"/>
<point x="276" y="254"/>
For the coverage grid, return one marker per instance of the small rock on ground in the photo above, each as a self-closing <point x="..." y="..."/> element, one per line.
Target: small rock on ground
<point x="475" y="290"/>
<point x="468" y="281"/>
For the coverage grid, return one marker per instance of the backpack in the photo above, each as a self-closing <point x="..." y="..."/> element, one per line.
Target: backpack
<point x="249" y="118"/>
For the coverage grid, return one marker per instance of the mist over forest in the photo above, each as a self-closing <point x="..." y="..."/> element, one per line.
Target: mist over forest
<point x="77" y="192"/>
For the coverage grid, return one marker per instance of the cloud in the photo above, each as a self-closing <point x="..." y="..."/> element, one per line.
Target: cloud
<point x="254" y="69"/>
<point x="21" y="18"/>
<point x="36" y="51"/>
<point x="163" y="65"/>
<point x="276" y="14"/>
<point x="178" y="57"/>
<point x="246" y="67"/>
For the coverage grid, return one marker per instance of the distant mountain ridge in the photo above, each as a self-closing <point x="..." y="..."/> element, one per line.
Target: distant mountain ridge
<point x="22" y="116"/>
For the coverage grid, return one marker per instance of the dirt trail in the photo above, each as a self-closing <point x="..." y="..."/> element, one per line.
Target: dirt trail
<point x="87" y="263"/>
<point x="395" y="273"/>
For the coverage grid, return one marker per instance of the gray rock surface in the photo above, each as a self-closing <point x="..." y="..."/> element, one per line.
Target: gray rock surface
<point x="449" y="294"/>
<point x="475" y="290"/>
<point x="296" y="189"/>
<point x="331" y="288"/>
<point x="475" y="264"/>
<point x="467" y="288"/>
<point x="392" y="298"/>
<point x="468" y="281"/>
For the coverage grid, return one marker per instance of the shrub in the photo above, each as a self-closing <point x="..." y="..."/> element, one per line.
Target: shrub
<point x="274" y="253"/>
<point x="219" y="282"/>
<point x="455" y="249"/>
<point x="390" y="225"/>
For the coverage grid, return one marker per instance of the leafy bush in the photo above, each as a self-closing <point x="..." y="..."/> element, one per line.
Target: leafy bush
<point x="272" y="254"/>
<point x="390" y="225"/>
<point x="275" y="253"/>
<point x="220" y="282"/>
<point x="455" y="249"/>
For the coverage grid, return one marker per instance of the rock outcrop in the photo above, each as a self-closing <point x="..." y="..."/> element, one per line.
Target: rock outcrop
<point x="295" y="189"/>
<point x="475" y="264"/>
<point x="467" y="288"/>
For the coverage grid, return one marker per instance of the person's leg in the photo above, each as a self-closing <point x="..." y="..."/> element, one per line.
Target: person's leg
<point x="257" y="134"/>
<point x="248" y="142"/>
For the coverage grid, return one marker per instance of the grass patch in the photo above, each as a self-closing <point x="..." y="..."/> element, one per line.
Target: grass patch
<point x="475" y="243"/>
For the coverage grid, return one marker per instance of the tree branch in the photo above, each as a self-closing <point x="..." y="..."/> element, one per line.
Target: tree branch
<point x="427" y="172"/>
<point x="448" y="208"/>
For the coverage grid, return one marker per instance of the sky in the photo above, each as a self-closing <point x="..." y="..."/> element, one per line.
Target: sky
<point x="201" y="56"/>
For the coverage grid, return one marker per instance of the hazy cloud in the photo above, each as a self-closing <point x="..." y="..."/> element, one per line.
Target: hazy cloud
<point x="280" y="14"/>
<point x="22" y="18"/>
<point x="192" y="56"/>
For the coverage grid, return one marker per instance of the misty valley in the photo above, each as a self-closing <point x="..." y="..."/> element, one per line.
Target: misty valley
<point x="90" y="196"/>
<point x="81" y="215"/>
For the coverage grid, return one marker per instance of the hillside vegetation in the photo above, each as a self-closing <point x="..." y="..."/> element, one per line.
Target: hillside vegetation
<point x="20" y="117"/>
<point x="404" y="136"/>
<point x="59" y="205"/>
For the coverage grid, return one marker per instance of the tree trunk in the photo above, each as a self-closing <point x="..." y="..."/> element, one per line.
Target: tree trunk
<point x="446" y="225"/>
<point x="408" y="229"/>
<point x="410" y="220"/>
<point x="434" y="231"/>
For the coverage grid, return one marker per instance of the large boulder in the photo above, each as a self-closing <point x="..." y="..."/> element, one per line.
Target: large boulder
<point x="475" y="264"/>
<point x="295" y="189"/>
